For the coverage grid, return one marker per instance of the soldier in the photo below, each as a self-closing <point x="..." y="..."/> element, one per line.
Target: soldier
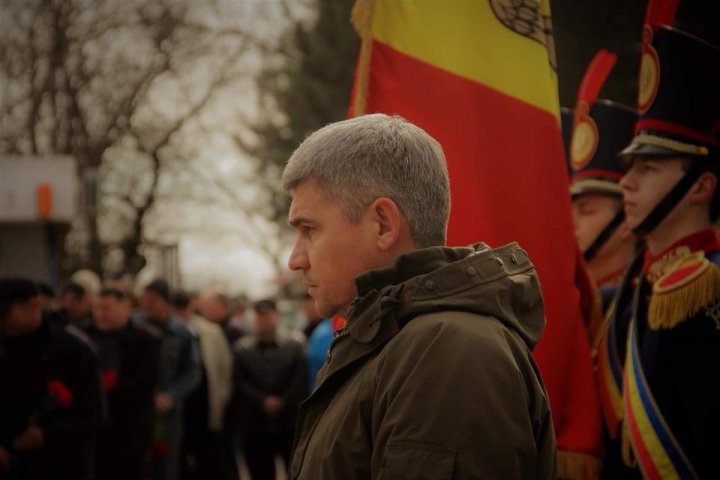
<point x="50" y="397"/>
<point x="668" y="305"/>
<point x="601" y="128"/>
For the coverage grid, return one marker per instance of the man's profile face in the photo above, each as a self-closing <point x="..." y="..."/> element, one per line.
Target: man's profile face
<point x="646" y="183"/>
<point x="109" y="313"/>
<point x="592" y="212"/>
<point x="329" y="250"/>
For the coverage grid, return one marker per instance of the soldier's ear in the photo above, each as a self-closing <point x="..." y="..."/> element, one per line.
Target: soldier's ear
<point x="704" y="188"/>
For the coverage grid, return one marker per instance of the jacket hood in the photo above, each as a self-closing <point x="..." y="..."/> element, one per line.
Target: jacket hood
<point x="500" y="283"/>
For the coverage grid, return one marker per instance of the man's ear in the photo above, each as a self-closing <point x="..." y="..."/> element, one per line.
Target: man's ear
<point x="704" y="188"/>
<point x="388" y="219"/>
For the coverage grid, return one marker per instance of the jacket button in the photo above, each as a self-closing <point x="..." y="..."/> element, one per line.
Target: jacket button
<point x="498" y="260"/>
<point x="513" y="258"/>
<point x="430" y="285"/>
<point x="471" y="271"/>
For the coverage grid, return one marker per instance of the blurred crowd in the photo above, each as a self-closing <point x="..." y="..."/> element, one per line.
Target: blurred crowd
<point x="105" y="381"/>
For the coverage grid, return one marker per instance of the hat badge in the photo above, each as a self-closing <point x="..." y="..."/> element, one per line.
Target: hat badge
<point x="649" y="72"/>
<point x="584" y="139"/>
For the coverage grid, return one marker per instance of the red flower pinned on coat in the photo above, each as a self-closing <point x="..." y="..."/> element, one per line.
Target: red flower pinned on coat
<point x="160" y="449"/>
<point x="60" y="393"/>
<point x="109" y="380"/>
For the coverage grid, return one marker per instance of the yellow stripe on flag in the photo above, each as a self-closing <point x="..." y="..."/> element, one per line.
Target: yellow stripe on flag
<point x="443" y="32"/>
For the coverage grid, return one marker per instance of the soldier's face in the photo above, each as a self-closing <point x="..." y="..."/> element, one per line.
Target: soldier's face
<point x="592" y="212"/>
<point x="646" y="183"/>
<point x="329" y="250"/>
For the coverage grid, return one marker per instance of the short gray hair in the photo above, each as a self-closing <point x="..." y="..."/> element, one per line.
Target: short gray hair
<point x="359" y="160"/>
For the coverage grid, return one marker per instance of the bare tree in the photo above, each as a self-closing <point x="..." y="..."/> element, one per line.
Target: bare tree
<point x="132" y="90"/>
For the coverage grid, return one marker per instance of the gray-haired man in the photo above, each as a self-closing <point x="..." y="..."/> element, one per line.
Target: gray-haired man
<point x="432" y="378"/>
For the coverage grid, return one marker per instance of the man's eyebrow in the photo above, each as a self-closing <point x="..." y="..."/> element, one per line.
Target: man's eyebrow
<point x="294" y="222"/>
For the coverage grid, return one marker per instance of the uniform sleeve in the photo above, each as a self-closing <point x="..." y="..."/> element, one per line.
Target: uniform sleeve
<point x="453" y="403"/>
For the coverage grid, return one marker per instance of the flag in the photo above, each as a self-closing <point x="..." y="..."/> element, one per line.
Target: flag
<point x="479" y="76"/>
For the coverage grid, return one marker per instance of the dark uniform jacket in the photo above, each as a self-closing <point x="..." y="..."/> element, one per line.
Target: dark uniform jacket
<point x="433" y="376"/>
<point x="129" y="360"/>
<point x="28" y="365"/>
<point x="680" y="364"/>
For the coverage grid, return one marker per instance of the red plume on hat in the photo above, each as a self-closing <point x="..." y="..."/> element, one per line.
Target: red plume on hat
<point x="660" y="12"/>
<point x="585" y="133"/>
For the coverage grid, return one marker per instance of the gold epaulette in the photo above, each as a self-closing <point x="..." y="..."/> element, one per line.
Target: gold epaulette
<point x="692" y="283"/>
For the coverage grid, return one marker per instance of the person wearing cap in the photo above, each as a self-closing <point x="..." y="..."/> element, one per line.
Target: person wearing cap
<point x="129" y="360"/>
<point x="271" y="381"/>
<point x="664" y="335"/>
<point x="51" y="402"/>
<point x="432" y="377"/>
<point x="179" y="374"/>
<point x="600" y="129"/>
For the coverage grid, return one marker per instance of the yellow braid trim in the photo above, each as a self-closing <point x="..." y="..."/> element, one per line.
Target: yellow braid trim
<point x="676" y="302"/>
<point x="577" y="466"/>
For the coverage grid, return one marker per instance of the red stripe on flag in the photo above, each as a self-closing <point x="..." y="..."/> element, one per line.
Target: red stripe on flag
<point x="509" y="182"/>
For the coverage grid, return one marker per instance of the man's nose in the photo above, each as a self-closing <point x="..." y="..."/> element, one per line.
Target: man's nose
<point x="627" y="180"/>
<point x="298" y="258"/>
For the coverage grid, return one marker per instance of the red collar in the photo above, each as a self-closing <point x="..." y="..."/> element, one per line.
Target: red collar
<point x="656" y="266"/>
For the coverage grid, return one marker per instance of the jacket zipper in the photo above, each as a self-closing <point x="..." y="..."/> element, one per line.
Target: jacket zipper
<point x="341" y="333"/>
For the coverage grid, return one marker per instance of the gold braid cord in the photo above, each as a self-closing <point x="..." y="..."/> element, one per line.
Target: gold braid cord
<point x="577" y="466"/>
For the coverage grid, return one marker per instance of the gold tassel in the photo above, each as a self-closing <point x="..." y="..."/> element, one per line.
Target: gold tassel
<point x="673" y="304"/>
<point x="628" y="454"/>
<point x="577" y="466"/>
<point x="361" y="18"/>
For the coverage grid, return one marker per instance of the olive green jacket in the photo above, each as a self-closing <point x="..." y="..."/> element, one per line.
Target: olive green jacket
<point x="433" y="377"/>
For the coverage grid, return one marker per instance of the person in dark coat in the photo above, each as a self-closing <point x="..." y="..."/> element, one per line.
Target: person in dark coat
<point x="51" y="401"/>
<point x="179" y="375"/>
<point x="433" y="376"/>
<point x="271" y="381"/>
<point x="129" y="362"/>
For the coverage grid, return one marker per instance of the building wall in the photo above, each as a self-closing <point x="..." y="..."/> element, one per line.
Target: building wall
<point x="23" y="251"/>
